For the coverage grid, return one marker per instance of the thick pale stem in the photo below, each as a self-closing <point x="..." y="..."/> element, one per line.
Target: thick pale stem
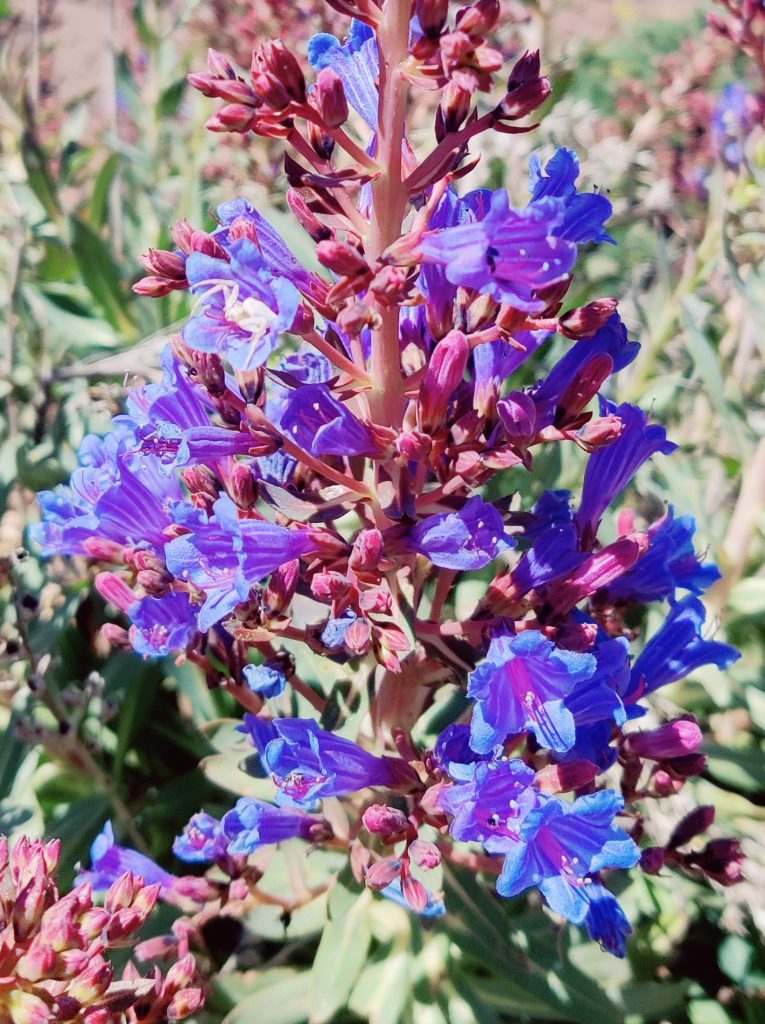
<point x="389" y="198"/>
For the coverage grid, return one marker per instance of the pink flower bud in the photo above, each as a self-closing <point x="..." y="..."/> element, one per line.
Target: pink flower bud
<point x="153" y="287"/>
<point x="583" y="387"/>
<point x="200" y="480"/>
<point x="358" y="636"/>
<point x="116" y="636"/>
<point x="329" y="97"/>
<point x="445" y="372"/>
<point x="599" y="432"/>
<point x="233" y="117"/>
<point x="218" y="65"/>
<point x="518" y="415"/>
<point x="309" y="221"/>
<point x="585" y="321"/>
<point x="388" y="822"/>
<point x="382" y="873"/>
<point x="37" y="963"/>
<point x="26" y="1008"/>
<point x="180" y="975"/>
<point x="242" y="486"/>
<point x="415" y="893"/>
<point x="92" y="983"/>
<point x="665" y="784"/>
<point x="121" y="892"/>
<point x="367" y="551"/>
<point x="424" y="854"/>
<point x="674" y="739"/>
<point x="281" y="587"/>
<point x="376" y="600"/>
<point x="341" y="258"/>
<point x="414" y="445"/>
<point x="693" y="824"/>
<point x="30" y="903"/>
<point x="330" y="586"/>
<point x="165" y="264"/>
<point x="561" y="778"/>
<point x="185" y="1003"/>
<point x="652" y="860"/>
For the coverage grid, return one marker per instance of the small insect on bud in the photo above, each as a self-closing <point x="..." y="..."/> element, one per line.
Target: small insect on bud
<point x="445" y="372"/>
<point x="329" y="98"/>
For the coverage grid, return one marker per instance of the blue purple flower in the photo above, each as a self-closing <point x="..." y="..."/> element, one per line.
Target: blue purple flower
<point x="202" y="840"/>
<point x="253" y="823"/>
<point x="468" y="539"/>
<point x="108" y="861"/>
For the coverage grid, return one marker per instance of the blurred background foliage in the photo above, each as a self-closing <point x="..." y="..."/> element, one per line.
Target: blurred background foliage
<point x="102" y="148"/>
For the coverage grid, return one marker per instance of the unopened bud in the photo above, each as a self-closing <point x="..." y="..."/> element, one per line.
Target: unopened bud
<point x="115" y="591"/>
<point x="388" y="822"/>
<point x="518" y="415"/>
<point x="721" y="860"/>
<point x="652" y="860"/>
<point x="424" y="854"/>
<point x="242" y="486"/>
<point x="526" y="89"/>
<point x="415" y="894"/>
<point x="665" y="784"/>
<point x="584" y="322"/>
<point x="185" y="1003"/>
<point x="432" y="16"/>
<point x="674" y="739"/>
<point x="341" y="258"/>
<point x="92" y="983"/>
<point x="692" y="825"/>
<point x="444" y="373"/>
<point x="153" y="287"/>
<point x="382" y="873"/>
<point x="561" y="778"/>
<point x="414" y="445"/>
<point x="218" y="65"/>
<point x="358" y="636"/>
<point x="330" y="586"/>
<point x="329" y="98"/>
<point x="284" y="66"/>
<point x="166" y="264"/>
<point x="367" y="551"/>
<point x="310" y="222"/>
<point x="233" y="117"/>
<point x="281" y="587"/>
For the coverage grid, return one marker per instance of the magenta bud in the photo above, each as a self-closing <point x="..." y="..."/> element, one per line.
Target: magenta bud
<point x="584" y="387"/>
<point x="382" y="873"/>
<point x="115" y="591"/>
<point x="665" y="784"/>
<point x="478" y="19"/>
<point x="310" y="222"/>
<point x="153" y="287"/>
<point x="585" y="321"/>
<point x="526" y="88"/>
<point x="414" y="445"/>
<point x="329" y="97"/>
<point x="104" y="550"/>
<point x="561" y="778"/>
<point x="270" y="91"/>
<point x="388" y="822"/>
<point x="155" y="583"/>
<point x="341" y="258"/>
<point x="518" y="415"/>
<point x="600" y="432"/>
<point x="415" y="893"/>
<point x="166" y="264"/>
<point x="424" y="854"/>
<point x="721" y="860"/>
<point x="445" y="372"/>
<point x="367" y="551"/>
<point x="376" y="600"/>
<point x="180" y="975"/>
<point x="692" y="825"/>
<point x="432" y="15"/>
<point x="92" y="983"/>
<point x="674" y="739"/>
<point x="652" y="860"/>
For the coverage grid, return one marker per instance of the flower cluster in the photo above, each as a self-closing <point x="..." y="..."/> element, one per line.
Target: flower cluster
<point x="312" y="469"/>
<point x="53" y="956"/>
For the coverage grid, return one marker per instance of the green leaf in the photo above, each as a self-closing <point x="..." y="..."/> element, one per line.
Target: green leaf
<point x="100" y="275"/>
<point x="39" y="179"/>
<point x="342" y="953"/>
<point x="653" y="1000"/>
<point x="99" y="198"/>
<point x="281" y="996"/>
<point x="740" y="770"/>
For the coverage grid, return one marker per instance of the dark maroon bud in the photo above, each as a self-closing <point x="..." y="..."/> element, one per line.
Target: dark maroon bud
<point x="341" y="258"/>
<point x="285" y="68"/>
<point x="329" y="97"/>
<point x="674" y="739"/>
<point x="382" y="873"/>
<point x="281" y="587"/>
<point x="652" y="860"/>
<point x="687" y="767"/>
<point x="583" y="387"/>
<point x="518" y="415"/>
<point x="692" y="825"/>
<point x="445" y="372"/>
<point x="584" y="322"/>
<point x="721" y="860"/>
<point x="218" y="65"/>
<point x="432" y="16"/>
<point x="526" y="89"/>
<point x="203" y="242"/>
<point x="388" y="822"/>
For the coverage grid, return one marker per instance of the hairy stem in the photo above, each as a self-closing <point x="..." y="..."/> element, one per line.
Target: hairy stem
<point x="389" y="198"/>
